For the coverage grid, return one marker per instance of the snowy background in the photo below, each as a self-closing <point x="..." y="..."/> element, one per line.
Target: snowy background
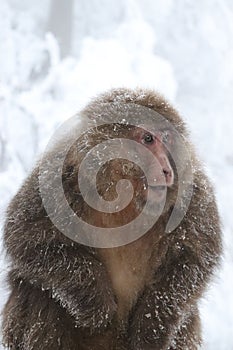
<point x="56" y="54"/>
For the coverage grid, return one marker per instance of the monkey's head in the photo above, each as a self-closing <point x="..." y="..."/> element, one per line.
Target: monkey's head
<point x="128" y="156"/>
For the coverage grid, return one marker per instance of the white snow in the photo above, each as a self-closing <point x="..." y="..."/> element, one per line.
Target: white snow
<point x="182" y="48"/>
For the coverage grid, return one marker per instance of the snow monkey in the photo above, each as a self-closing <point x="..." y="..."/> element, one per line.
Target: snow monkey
<point x="134" y="281"/>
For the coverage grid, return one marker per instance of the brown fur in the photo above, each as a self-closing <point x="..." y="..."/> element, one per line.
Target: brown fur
<point x="140" y="296"/>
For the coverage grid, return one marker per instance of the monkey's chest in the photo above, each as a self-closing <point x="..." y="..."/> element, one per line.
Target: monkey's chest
<point x="128" y="270"/>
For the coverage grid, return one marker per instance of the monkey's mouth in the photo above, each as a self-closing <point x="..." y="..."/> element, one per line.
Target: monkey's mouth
<point x="158" y="188"/>
<point x="157" y="193"/>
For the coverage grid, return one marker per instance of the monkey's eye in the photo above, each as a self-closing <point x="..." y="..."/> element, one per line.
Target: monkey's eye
<point x="148" y="139"/>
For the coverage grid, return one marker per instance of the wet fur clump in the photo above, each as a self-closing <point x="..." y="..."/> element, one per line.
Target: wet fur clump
<point x="141" y="296"/>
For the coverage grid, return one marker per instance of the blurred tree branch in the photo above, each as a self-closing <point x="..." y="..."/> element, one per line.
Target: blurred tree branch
<point x="61" y="24"/>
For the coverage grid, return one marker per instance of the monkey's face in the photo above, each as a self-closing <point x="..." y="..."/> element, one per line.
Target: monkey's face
<point x="150" y="149"/>
<point x="160" y="172"/>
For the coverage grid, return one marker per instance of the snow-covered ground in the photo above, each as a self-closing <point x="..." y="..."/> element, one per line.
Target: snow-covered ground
<point x="182" y="48"/>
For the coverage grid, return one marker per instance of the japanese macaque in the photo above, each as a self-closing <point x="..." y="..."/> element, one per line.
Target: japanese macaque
<point x="106" y="295"/>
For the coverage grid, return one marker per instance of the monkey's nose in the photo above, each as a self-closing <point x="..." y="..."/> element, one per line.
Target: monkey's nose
<point x="168" y="176"/>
